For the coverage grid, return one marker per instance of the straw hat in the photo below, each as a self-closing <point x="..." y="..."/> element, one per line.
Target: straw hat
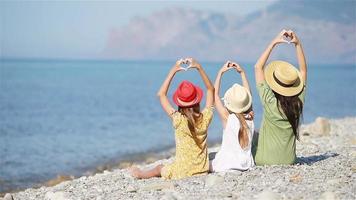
<point x="187" y="94"/>
<point x="237" y="99"/>
<point x="283" y="78"/>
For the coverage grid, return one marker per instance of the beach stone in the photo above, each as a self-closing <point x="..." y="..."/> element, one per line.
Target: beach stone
<point x="353" y="141"/>
<point x="321" y="126"/>
<point x="223" y="194"/>
<point x="328" y="196"/>
<point x="296" y="178"/>
<point x="212" y="180"/>
<point x="168" y="196"/>
<point x="158" y="186"/>
<point x="334" y="181"/>
<point x="131" y="188"/>
<point x="56" y="196"/>
<point x="268" y="195"/>
<point x="305" y="133"/>
<point x="353" y="153"/>
<point x="8" y="197"/>
<point x="82" y="179"/>
<point x="353" y="168"/>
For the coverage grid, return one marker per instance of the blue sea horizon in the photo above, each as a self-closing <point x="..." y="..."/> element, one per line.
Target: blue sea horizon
<point x="66" y="117"/>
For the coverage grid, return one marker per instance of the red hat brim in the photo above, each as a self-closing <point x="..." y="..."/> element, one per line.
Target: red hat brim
<point x="197" y="99"/>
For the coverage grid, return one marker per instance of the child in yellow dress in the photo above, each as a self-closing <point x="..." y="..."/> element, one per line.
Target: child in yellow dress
<point x="190" y="126"/>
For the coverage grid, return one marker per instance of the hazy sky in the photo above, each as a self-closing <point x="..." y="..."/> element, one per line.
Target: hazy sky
<point x="79" y="29"/>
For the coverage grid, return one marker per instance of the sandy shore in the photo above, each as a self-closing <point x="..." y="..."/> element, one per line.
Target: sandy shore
<point x="325" y="170"/>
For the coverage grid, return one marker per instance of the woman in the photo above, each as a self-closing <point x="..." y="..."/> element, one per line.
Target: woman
<point x="281" y="88"/>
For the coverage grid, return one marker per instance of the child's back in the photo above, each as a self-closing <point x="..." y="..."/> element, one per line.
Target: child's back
<point x="237" y="119"/>
<point x="231" y="154"/>
<point x="190" y="125"/>
<point x="191" y="148"/>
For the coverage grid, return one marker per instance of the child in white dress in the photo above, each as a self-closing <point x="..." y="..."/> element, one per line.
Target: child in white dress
<point x="237" y="118"/>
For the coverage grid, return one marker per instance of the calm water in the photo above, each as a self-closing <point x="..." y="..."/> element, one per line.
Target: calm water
<point x="67" y="117"/>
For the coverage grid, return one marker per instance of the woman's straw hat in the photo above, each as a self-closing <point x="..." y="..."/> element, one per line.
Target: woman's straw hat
<point x="283" y="78"/>
<point x="237" y="99"/>
<point x="187" y="94"/>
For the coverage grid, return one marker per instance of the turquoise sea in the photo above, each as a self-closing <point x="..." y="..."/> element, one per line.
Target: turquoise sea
<point x="67" y="117"/>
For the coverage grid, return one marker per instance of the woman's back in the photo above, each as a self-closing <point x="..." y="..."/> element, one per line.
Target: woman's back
<point x="276" y="142"/>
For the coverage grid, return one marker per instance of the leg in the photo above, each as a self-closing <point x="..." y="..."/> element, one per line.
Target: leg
<point x="138" y="173"/>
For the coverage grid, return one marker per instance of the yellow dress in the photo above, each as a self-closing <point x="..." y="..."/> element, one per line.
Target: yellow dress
<point x="191" y="154"/>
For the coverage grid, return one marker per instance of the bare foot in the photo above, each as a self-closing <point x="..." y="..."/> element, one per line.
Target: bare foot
<point x="135" y="172"/>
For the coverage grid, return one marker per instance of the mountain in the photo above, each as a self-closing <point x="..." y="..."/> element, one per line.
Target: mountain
<point x="327" y="30"/>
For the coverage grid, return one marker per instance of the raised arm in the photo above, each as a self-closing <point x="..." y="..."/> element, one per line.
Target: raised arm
<point x="162" y="93"/>
<point x="209" y="86"/>
<point x="300" y="55"/>
<point x="219" y="106"/>
<point x="241" y="71"/>
<point x="259" y="75"/>
<point x="246" y="85"/>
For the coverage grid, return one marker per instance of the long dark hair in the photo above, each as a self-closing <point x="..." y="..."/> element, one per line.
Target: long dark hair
<point x="292" y="108"/>
<point x="194" y="118"/>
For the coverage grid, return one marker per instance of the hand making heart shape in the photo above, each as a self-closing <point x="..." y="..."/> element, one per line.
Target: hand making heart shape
<point x="286" y="37"/>
<point x="231" y="65"/>
<point x="187" y="63"/>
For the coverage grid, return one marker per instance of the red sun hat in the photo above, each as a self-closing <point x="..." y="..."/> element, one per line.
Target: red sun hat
<point x="187" y="94"/>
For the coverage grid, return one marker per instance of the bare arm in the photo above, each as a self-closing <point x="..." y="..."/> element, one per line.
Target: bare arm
<point x="259" y="75"/>
<point x="246" y="85"/>
<point x="223" y="113"/>
<point x="300" y="55"/>
<point x="162" y="93"/>
<point x="241" y="71"/>
<point x="245" y="81"/>
<point x="209" y="86"/>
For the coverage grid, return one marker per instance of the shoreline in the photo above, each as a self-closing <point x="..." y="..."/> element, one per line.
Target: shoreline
<point x="125" y="161"/>
<point x="311" y="151"/>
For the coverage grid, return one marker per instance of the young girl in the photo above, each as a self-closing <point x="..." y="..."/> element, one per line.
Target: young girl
<point x="281" y="88"/>
<point x="190" y="126"/>
<point x="236" y="117"/>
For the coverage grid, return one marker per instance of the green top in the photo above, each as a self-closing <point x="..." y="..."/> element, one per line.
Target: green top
<point x="276" y="142"/>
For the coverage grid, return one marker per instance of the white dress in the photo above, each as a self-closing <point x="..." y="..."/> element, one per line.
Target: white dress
<point x="231" y="155"/>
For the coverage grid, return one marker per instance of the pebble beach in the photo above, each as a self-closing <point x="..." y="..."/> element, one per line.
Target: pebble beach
<point x="325" y="169"/>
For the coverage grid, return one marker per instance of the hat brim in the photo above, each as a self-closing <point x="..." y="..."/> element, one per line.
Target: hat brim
<point x="240" y="110"/>
<point x="195" y="101"/>
<point x="292" y="90"/>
